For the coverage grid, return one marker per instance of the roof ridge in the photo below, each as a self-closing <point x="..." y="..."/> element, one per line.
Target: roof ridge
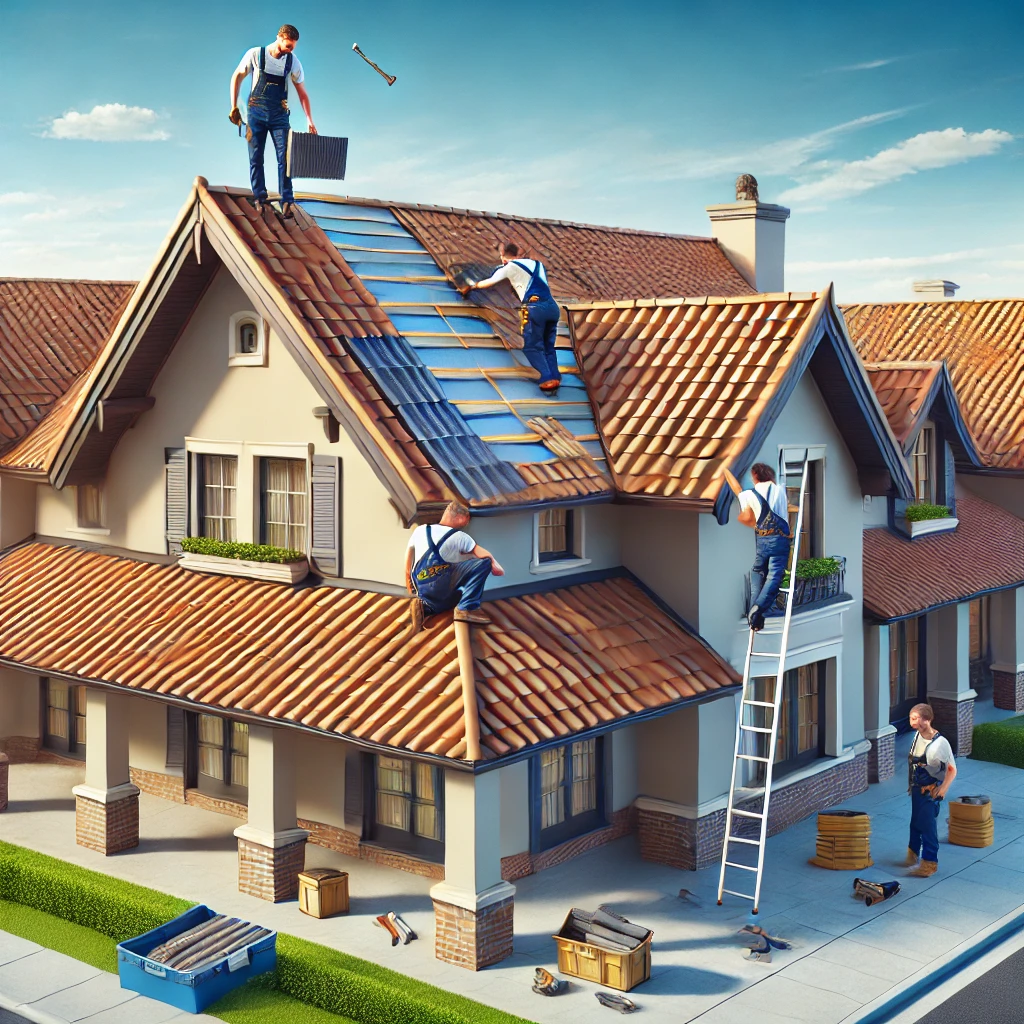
<point x="933" y="302"/>
<point x="64" y="280"/>
<point x="904" y="364"/>
<point x="699" y="300"/>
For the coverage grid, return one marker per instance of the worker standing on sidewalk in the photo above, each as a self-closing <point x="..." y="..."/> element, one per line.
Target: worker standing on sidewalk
<point x="932" y="770"/>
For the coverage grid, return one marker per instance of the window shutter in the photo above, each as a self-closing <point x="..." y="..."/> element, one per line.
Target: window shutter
<point x="176" y="486"/>
<point x="354" y="791"/>
<point x="175" y="738"/>
<point x="949" y="484"/>
<point x="325" y="547"/>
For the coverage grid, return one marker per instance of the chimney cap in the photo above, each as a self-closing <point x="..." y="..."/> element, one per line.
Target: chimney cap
<point x="938" y="288"/>
<point x="746" y="188"/>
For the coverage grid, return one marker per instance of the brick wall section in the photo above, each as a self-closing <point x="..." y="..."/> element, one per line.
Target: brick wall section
<point x="20" y="749"/>
<point x="1008" y="690"/>
<point x="167" y="787"/>
<point x="519" y="865"/>
<point x="882" y="758"/>
<point x="955" y="720"/>
<point x="473" y="940"/>
<point x="270" y="874"/>
<point x="194" y="798"/>
<point x="695" y="843"/>
<point x="107" y="828"/>
<point x="4" y="772"/>
<point x="333" y="838"/>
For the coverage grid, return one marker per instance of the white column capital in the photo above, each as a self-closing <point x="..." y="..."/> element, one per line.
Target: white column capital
<point x="271" y="840"/>
<point x="457" y="896"/>
<point x="106" y="796"/>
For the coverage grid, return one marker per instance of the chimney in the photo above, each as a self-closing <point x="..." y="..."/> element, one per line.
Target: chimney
<point x="753" y="235"/>
<point x="936" y="289"/>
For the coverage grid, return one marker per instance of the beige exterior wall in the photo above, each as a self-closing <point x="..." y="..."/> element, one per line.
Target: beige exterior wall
<point x="667" y="756"/>
<point x="621" y="746"/>
<point x="147" y="736"/>
<point x="514" y="783"/>
<point x="17" y="510"/>
<point x="320" y="779"/>
<point x="1007" y="492"/>
<point x="661" y="547"/>
<point x="19" y="703"/>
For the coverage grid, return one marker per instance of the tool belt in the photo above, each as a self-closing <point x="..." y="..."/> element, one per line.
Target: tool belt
<point x="524" y="312"/>
<point x="772" y="533"/>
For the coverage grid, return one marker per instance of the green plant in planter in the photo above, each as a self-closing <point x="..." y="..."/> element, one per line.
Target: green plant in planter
<point x="236" y="549"/>
<point x="918" y="513"/>
<point x="814" y="568"/>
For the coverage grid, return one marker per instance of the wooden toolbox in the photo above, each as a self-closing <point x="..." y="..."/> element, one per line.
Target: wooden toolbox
<point x="590" y="962"/>
<point x="323" y="892"/>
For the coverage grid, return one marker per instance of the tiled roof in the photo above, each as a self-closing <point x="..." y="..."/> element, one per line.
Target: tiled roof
<point x="981" y="342"/>
<point x="36" y="450"/>
<point x="903" y="390"/>
<point x="333" y="659"/>
<point x="49" y="333"/>
<point x="906" y="577"/>
<point x="679" y="384"/>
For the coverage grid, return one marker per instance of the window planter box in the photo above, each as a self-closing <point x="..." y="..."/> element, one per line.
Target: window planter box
<point x="818" y="588"/>
<point x="922" y="527"/>
<point x="269" y="572"/>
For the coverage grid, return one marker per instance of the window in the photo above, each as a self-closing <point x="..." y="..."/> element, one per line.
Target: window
<point x="906" y="667"/>
<point x="89" y="506"/>
<point x="218" y="483"/>
<point x="283" y="503"/>
<point x="979" y="628"/>
<point x="64" y="717"/>
<point x="407" y="812"/>
<point x="222" y="753"/>
<point x="555" y="537"/>
<point x="922" y="463"/>
<point x="801" y="733"/>
<point x="246" y="340"/>
<point x="811" y="544"/>
<point x="569" y="792"/>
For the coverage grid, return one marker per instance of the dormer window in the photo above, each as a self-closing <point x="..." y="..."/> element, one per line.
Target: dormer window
<point x="247" y="343"/>
<point x="922" y="463"/>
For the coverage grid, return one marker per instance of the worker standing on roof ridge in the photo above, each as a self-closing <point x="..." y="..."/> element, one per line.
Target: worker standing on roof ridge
<point x="445" y="568"/>
<point x="766" y="510"/>
<point x="538" y="314"/>
<point x="271" y="68"/>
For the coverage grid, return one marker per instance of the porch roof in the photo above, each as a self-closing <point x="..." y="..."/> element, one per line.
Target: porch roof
<point x="549" y="666"/>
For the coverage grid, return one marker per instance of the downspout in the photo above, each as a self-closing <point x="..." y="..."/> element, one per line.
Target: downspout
<point x="471" y="714"/>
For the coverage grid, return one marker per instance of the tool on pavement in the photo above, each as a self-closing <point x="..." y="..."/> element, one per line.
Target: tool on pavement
<point x="874" y="892"/>
<point x="382" y="922"/>
<point x="757" y="723"/>
<point x="391" y="79"/>
<point x="621" y="1003"/>
<point x="757" y="932"/>
<point x="402" y="928"/>
<point x="546" y="984"/>
<point x="690" y="897"/>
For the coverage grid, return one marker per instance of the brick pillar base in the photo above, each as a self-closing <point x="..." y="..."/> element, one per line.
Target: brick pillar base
<point x="882" y="758"/>
<point x="955" y="720"/>
<point x="473" y="937"/>
<point x="1008" y="690"/>
<point x="4" y="769"/>
<point x="269" y="863"/>
<point x="107" y="821"/>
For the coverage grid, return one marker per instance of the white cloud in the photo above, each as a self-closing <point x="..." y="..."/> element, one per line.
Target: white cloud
<point x="22" y="198"/>
<point x="109" y="122"/>
<point x="887" y="262"/>
<point x="869" y="65"/>
<point x="926" y="151"/>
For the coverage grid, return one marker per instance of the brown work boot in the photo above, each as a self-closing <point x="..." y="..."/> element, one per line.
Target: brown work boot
<point x="474" y="615"/>
<point x="416" y="614"/>
<point x="910" y="861"/>
<point x="925" y="869"/>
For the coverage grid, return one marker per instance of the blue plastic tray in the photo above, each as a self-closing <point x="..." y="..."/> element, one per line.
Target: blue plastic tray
<point x="191" y="991"/>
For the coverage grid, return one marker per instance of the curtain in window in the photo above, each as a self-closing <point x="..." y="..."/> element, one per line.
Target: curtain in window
<point x="220" y="486"/>
<point x="239" y="754"/>
<point x="553" y="531"/>
<point x="89" y="499"/>
<point x="426" y="822"/>
<point x="58" y="716"/>
<point x="394" y="792"/>
<point x="584" y="776"/>
<point x="284" y="503"/>
<point x="552" y="787"/>
<point x="211" y="746"/>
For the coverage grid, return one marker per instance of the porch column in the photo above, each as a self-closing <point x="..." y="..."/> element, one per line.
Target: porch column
<point x="949" y="674"/>
<point x="107" y="805"/>
<point x="1007" y="623"/>
<point x="271" y="849"/>
<point x="882" y="755"/>
<point x="472" y="906"/>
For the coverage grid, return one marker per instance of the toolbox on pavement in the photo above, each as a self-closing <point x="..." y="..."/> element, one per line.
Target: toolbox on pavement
<point x="323" y="892"/>
<point x="583" y="955"/>
<point x="210" y="967"/>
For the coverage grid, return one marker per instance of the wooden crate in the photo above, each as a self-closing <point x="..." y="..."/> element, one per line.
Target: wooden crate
<point x="323" y="892"/>
<point x="621" y="970"/>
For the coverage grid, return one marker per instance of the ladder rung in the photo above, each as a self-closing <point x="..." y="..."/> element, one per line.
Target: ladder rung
<point x="747" y="814"/>
<point x="784" y="590"/>
<point x="742" y="895"/>
<point x="742" y="867"/>
<point x="766" y="654"/>
<point x="754" y="728"/>
<point x="754" y="757"/>
<point x="760" y="703"/>
<point x="745" y="842"/>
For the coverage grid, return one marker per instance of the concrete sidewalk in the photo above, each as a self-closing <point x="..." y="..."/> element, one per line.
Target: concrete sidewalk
<point x="846" y="956"/>
<point x="51" y="988"/>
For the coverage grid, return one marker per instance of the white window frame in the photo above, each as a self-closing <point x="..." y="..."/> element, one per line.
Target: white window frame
<point x="92" y="531"/>
<point x="927" y="432"/>
<point x="537" y="567"/>
<point x="815" y="453"/>
<point x="237" y="358"/>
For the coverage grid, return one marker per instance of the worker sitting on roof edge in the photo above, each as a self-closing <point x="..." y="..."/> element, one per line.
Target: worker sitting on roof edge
<point x="765" y="509"/>
<point x="271" y="67"/>
<point x="538" y="314"/>
<point x="446" y="568"/>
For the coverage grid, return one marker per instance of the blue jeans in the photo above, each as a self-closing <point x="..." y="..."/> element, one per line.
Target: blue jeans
<point x="924" y="829"/>
<point x="464" y="583"/>
<point x="264" y="120"/>
<point x="539" y="339"/>
<point x="770" y="557"/>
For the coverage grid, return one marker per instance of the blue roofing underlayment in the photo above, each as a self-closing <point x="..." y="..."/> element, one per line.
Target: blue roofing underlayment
<point x="449" y="369"/>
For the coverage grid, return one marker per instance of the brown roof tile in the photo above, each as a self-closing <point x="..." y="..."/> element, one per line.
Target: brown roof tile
<point x="904" y="577"/>
<point x="36" y="451"/>
<point x="49" y="333"/>
<point x="981" y="342"/>
<point x="333" y="659"/>
<point x="902" y="390"/>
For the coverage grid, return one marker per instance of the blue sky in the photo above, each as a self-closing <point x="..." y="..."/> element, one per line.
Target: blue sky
<point x="892" y="130"/>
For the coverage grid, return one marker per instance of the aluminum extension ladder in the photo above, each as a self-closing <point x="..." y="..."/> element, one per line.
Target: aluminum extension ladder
<point x="749" y="709"/>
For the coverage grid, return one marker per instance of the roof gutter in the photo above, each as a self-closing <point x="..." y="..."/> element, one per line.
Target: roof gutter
<point x="880" y="620"/>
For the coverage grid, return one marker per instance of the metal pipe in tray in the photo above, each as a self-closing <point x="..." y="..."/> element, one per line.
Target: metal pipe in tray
<point x="167" y="949"/>
<point x="184" y="960"/>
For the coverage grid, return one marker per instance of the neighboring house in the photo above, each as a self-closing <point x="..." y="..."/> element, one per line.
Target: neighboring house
<point x="945" y="597"/>
<point x="318" y="383"/>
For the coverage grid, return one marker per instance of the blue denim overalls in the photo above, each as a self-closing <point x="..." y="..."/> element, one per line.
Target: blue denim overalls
<point x="924" y="808"/>
<point x="437" y="581"/>
<point x="268" y="112"/>
<point x="539" y="324"/>
<point x="772" y="538"/>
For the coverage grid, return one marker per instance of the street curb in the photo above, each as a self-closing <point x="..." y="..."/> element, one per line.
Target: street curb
<point x="900" y="996"/>
<point x="27" y="1011"/>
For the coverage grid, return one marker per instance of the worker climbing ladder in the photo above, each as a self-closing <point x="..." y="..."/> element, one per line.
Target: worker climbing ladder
<point x="757" y="724"/>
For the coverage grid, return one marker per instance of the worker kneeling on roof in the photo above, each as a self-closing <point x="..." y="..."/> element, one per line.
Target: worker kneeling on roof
<point x="445" y="568"/>
<point x="538" y="314"/>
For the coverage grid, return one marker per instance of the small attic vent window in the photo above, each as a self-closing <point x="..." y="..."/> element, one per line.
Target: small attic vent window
<point x="247" y="340"/>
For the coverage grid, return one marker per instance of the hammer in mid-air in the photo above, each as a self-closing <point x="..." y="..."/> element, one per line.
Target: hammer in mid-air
<point x="391" y="79"/>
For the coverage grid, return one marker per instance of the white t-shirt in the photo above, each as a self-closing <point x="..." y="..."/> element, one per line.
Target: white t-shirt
<point x="516" y="276"/>
<point x="272" y="65"/>
<point x="939" y="753"/>
<point x="772" y="493"/>
<point x="456" y="546"/>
